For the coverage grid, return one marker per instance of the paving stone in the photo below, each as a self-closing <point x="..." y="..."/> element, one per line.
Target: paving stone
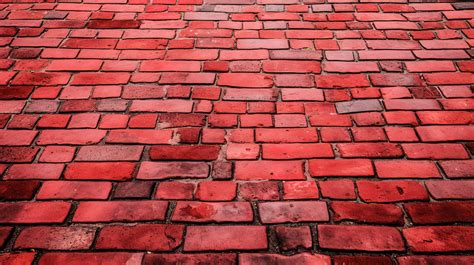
<point x="236" y="132"/>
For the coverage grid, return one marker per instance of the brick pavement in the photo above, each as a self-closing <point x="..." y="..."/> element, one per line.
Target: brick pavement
<point x="236" y="131"/>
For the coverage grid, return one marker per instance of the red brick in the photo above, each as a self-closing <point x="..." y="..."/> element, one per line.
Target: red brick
<point x="440" y="212"/>
<point x="253" y="191"/>
<point x="34" y="171"/>
<point x="150" y="237"/>
<point x="300" y="190"/>
<point x="391" y="191"/>
<point x="282" y="66"/>
<point x="269" y="170"/>
<point x="191" y="55"/>
<point x="73" y="137"/>
<point x="334" y="168"/>
<point x="337" y="189"/>
<point x="35" y="42"/>
<point x="365" y="238"/>
<point x="350" y="67"/>
<point x="301" y="258"/>
<point x="56" y="238"/>
<point x="330" y="119"/>
<point x="445" y="133"/>
<point x="293" y="135"/>
<point x="361" y="260"/>
<point x="445" y="189"/>
<point x="143" y="92"/>
<point x="290" y="120"/>
<point x="204" y="212"/>
<point x="196" y="152"/>
<point x="374" y="150"/>
<point x="175" y="190"/>
<point x="76" y="190"/>
<point x="113" y="121"/>
<point x="216" y="191"/>
<point x="293" y="80"/>
<point x="435" y="151"/>
<point x="161" y="106"/>
<point x="458" y="169"/>
<point x="164" y="170"/>
<point x="385" y="55"/>
<point x="15" y="92"/>
<point x="117" y="171"/>
<point x="219" y="238"/>
<point x="109" y="153"/>
<point x="53" y="121"/>
<point x="262" y="44"/>
<point x="76" y="258"/>
<point x="232" y="55"/>
<point x="367" y="213"/>
<point x="100" y="78"/>
<point x="460" y="260"/>
<point x="40" y="79"/>
<point x="439" y="238"/>
<point x="342" y="81"/>
<point x="89" y="43"/>
<point x="34" y="212"/>
<point x="401" y="134"/>
<point x="291" y="238"/>
<point x="295" y="94"/>
<point x="113" y="24"/>
<point x="296" y="151"/>
<point x="17" y="137"/>
<point x="143" y="121"/>
<point x="430" y="66"/>
<point x="133" y="190"/>
<point x="18" y="154"/>
<point x="187" y="78"/>
<point x="4" y="234"/>
<point x="293" y="212"/>
<point x="139" y="136"/>
<point x="208" y="258"/>
<point x="170" y="66"/>
<point x="242" y="151"/>
<point x="449" y="78"/>
<point x="57" y="154"/>
<point x="18" y="190"/>
<point x="395" y="80"/>
<point x="74" y="65"/>
<point x="406" y="169"/>
<point x="245" y="80"/>
<point x="11" y="106"/>
<point x="17" y="258"/>
<point x="120" y="211"/>
<point x="445" y="117"/>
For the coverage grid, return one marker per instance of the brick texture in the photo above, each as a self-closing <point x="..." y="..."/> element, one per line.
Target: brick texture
<point x="236" y="132"/>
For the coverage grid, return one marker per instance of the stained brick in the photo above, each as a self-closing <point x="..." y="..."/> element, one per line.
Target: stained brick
<point x="56" y="238"/>
<point x="120" y="211"/>
<point x="152" y="237"/>
<point x="34" y="212"/>
<point x="439" y="238"/>
<point x="293" y="212"/>
<point x="207" y="212"/>
<point x="164" y="170"/>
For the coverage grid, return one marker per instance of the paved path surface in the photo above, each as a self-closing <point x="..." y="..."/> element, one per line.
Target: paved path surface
<point x="236" y="131"/>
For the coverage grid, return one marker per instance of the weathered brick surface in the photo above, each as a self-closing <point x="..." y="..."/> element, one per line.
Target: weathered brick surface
<point x="236" y="132"/>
